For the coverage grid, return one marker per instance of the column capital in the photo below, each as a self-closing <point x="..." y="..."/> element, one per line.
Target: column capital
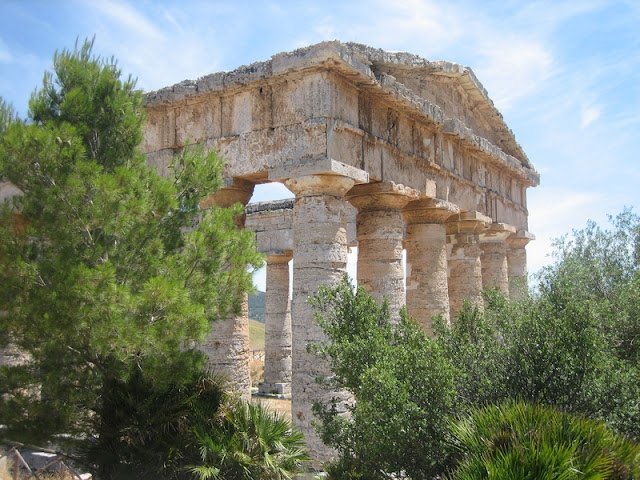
<point x="234" y="190"/>
<point x="497" y="232"/>
<point x="429" y="210"/>
<point x="468" y="222"/>
<point x="520" y="239"/>
<point x="381" y="196"/>
<point x="320" y="176"/>
<point x="278" y="256"/>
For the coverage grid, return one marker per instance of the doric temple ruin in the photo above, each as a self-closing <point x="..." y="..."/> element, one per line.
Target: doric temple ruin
<point x="386" y="151"/>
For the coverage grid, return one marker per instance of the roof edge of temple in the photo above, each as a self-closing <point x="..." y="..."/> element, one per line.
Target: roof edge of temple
<point x="367" y="63"/>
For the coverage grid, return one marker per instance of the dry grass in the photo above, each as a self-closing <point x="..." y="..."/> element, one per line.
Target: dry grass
<point x="275" y="404"/>
<point x="256" y="338"/>
<point x="256" y="370"/>
<point x="256" y="335"/>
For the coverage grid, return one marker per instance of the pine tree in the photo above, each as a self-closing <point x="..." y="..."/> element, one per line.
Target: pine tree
<point x="102" y="270"/>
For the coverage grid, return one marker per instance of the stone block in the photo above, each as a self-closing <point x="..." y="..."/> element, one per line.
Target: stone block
<point x="160" y="160"/>
<point x="344" y="143"/>
<point x="301" y="99"/>
<point x="198" y="122"/>
<point x="282" y="390"/>
<point x="321" y="166"/>
<point x="236" y="113"/>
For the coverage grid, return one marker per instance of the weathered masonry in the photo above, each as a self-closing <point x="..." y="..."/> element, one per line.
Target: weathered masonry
<point x="413" y="152"/>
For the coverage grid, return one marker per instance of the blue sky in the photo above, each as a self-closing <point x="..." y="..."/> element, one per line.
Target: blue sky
<point x="565" y="74"/>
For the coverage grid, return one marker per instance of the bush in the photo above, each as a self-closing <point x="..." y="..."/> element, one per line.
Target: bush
<point x="402" y="387"/>
<point x="527" y="350"/>
<point x="187" y="430"/>
<point x="249" y="442"/>
<point x="523" y="441"/>
<point x="572" y="346"/>
<point x="556" y="349"/>
<point x="146" y="428"/>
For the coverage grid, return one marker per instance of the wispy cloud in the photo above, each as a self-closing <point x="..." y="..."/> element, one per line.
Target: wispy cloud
<point x="5" y="54"/>
<point x="164" y="45"/>
<point x="553" y="212"/>
<point x="589" y="115"/>
<point x="513" y="69"/>
<point x="510" y="62"/>
<point x="129" y="19"/>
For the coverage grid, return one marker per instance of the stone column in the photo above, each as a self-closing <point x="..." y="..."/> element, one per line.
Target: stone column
<point x="495" y="272"/>
<point x="227" y="344"/>
<point x="517" y="264"/>
<point x="319" y="258"/>
<point x="425" y="242"/>
<point x="12" y="356"/>
<point x="465" y="267"/>
<point x="379" y="231"/>
<point x="277" y="327"/>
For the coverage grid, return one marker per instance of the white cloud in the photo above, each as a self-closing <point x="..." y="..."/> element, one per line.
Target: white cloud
<point x="514" y="68"/>
<point x="169" y="17"/>
<point x="417" y="26"/>
<point x="162" y="46"/>
<point x="589" y="115"/>
<point x="5" y="54"/>
<point x="326" y="30"/>
<point x="559" y="209"/>
<point x="129" y="19"/>
<point x="554" y="212"/>
<point x="511" y="62"/>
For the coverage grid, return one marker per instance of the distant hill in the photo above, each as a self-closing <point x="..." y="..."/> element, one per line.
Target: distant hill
<point x="257" y="304"/>
<point x="256" y="335"/>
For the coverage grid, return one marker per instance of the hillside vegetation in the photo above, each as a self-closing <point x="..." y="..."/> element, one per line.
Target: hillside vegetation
<point x="256" y="335"/>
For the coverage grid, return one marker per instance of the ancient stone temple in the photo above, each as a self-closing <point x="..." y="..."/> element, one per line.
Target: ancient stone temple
<point x="386" y="151"/>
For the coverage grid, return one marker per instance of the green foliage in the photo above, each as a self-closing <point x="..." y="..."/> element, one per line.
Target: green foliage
<point x="189" y="428"/>
<point x="401" y="384"/>
<point x="523" y="350"/>
<point x="601" y="268"/>
<point x="250" y="442"/>
<point x="7" y="116"/>
<point x="147" y="430"/>
<point x="108" y="271"/>
<point x="88" y="93"/>
<point x="523" y="441"/>
<point x="573" y="345"/>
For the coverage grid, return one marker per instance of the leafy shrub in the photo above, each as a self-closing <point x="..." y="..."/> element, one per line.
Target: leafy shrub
<point x="556" y="349"/>
<point x="146" y="428"/>
<point x="249" y="442"/>
<point x="187" y="430"/>
<point x="402" y="387"/>
<point x="523" y="441"/>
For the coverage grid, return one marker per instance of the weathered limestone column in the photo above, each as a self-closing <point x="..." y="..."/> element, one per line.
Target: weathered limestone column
<point x="517" y="263"/>
<point x="495" y="271"/>
<point x="277" y="327"/>
<point x="227" y="344"/>
<point x="465" y="266"/>
<point x="379" y="231"/>
<point x="12" y="356"/>
<point x="319" y="258"/>
<point x="425" y="242"/>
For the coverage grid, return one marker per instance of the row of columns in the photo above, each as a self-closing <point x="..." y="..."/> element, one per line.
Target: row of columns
<point x="451" y="256"/>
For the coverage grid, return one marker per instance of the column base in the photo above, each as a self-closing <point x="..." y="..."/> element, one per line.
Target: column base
<point x="282" y="390"/>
